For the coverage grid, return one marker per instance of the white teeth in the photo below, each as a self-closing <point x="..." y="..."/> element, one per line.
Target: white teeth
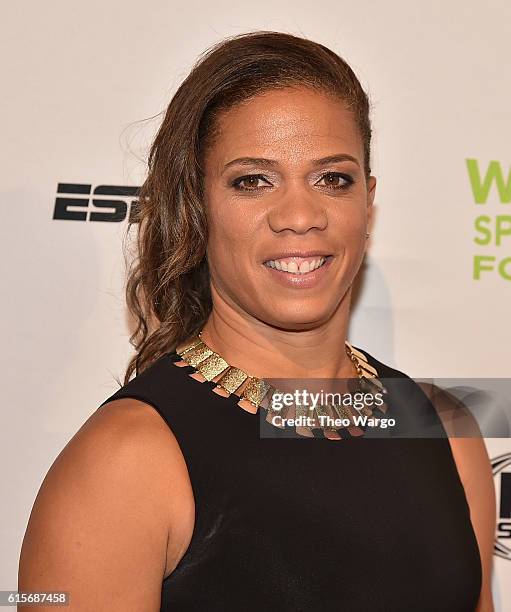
<point x="293" y="268"/>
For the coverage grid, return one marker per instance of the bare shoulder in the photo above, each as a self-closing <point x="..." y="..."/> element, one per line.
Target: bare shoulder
<point x="474" y="468"/>
<point x="114" y="513"/>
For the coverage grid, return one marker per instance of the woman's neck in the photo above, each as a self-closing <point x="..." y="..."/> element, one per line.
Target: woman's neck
<point x="265" y="351"/>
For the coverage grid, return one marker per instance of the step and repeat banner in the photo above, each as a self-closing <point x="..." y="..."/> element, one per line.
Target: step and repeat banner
<point x="84" y="86"/>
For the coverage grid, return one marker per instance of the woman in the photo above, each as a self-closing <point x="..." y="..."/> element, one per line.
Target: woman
<point x="253" y="225"/>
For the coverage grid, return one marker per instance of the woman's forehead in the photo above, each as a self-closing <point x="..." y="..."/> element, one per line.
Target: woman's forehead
<point x="284" y="123"/>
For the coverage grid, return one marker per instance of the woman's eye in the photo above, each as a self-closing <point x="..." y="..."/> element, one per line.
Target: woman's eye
<point x="250" y="182"/>
<point x="256" y="182"/>
<point x="336" y="180"/>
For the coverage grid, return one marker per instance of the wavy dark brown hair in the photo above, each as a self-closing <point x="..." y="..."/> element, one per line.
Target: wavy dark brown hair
<point x="167" y="290"/>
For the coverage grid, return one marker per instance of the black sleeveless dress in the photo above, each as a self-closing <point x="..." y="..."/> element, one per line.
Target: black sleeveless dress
<point x="288" y="525"/>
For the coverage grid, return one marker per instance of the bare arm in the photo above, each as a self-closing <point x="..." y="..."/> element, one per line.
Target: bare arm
<point x="113" y="515"/>
<point x="476" y="475"/>
<point x="474" y="467"/>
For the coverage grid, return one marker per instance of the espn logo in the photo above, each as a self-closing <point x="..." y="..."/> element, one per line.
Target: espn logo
<point x="111" y="203"/>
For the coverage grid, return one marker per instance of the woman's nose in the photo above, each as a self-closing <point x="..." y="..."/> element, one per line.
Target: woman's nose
<point x="297" y="210"/>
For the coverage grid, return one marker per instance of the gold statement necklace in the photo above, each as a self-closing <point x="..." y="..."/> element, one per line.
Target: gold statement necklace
<point x="260" y="393"/>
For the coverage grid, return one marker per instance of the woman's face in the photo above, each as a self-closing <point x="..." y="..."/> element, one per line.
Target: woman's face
<point x="285" y="188"/>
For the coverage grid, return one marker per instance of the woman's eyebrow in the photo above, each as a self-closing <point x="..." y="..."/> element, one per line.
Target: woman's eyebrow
<point x="263" y="161"/>
<point x="251" y="161"/>
<point x="331" y="159"/>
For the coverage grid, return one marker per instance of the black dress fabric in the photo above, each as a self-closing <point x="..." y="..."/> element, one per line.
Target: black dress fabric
<point x="306" y="524"/>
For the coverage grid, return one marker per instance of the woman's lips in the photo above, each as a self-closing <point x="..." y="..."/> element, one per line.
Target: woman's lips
<point x="300" y="281"/>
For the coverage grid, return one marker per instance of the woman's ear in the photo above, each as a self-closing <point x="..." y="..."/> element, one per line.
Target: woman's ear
<point x="371" y="190"/>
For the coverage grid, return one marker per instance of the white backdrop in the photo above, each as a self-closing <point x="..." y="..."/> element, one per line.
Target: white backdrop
<point x="77" y="81"/>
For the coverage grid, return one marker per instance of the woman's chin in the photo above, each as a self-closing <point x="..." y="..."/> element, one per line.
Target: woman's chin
<point x="297" y="320"/>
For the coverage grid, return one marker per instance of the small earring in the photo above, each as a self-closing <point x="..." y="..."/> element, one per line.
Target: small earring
<point x="367" y="234"/>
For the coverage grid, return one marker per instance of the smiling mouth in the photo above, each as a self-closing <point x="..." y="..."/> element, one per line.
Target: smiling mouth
<point x="298" y="265"/>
